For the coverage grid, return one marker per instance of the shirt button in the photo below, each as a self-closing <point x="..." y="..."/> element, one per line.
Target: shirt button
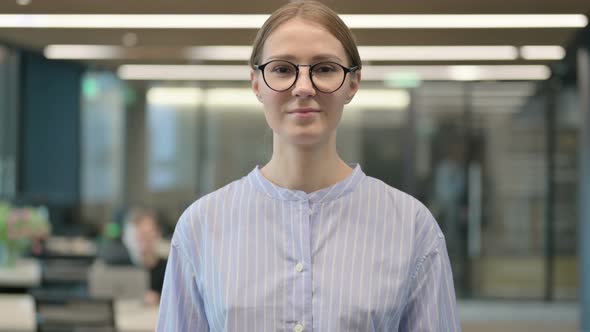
<point x="298" y="328"/>
<point x="299" y="267"/>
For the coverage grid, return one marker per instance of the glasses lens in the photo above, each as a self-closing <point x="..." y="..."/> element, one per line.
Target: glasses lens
<point x="280" y="75"/>
<point x="327" y="76"/>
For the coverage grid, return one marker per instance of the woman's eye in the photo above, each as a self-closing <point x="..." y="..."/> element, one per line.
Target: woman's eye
<point x="282" y="70"/>
<point x="325" y="69"/>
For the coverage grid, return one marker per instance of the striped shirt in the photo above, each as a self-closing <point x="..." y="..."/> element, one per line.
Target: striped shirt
<point x="356" y="256"/>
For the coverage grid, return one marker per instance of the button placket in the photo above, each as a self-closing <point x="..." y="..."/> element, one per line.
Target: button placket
<point x="301" y="266"/>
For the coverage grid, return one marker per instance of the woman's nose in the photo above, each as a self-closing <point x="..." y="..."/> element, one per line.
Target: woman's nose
<point x="304" y="86"/>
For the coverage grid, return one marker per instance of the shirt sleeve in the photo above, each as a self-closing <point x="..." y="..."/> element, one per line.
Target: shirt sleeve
<point x="431" y="303"/>
<point x="181" y="304"/>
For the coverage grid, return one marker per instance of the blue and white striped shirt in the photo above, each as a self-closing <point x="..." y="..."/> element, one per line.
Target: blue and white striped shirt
<point x="356" y="256"/>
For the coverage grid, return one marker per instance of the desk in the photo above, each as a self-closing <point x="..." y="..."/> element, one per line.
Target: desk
<point x="73" y="247"/>
<point x="18" y="313"/>
<point x="26" y="274"/>
<point x="135" y="316"/>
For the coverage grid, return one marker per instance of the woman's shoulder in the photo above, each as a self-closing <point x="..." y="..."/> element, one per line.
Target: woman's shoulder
<point x="395" y="196"/>
<point x="224" y="193"/>
<point x="193" y="214"/>
<point x="405" y="205"/>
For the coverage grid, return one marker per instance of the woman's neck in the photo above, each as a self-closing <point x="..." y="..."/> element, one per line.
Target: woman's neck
<point x="305" y="169"/>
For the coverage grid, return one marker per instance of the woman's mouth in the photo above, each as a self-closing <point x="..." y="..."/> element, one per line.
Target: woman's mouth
<point x="304" y="112"/>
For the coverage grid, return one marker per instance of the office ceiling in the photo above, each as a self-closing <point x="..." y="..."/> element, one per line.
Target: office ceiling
<point x="160" y="45"/>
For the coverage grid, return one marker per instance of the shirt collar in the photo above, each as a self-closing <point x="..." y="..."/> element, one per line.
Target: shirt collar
<point x="330" y="193"/>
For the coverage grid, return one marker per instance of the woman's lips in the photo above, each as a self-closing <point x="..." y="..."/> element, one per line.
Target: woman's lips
<point x="303" y="113"/>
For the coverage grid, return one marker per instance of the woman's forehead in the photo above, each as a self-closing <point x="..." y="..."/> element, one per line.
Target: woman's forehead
<point x="313" y="58"/>
<point x="297" y="39"/>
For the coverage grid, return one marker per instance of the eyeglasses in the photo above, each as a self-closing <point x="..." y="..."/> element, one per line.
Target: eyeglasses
<point x="326" y="77"/>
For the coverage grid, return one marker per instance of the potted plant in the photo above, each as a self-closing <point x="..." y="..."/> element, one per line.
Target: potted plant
<point x="21" y="229"/>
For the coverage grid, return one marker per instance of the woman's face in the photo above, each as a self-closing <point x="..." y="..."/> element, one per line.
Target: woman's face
<point x="147" y="234"/>
<point x="303" y="42"/>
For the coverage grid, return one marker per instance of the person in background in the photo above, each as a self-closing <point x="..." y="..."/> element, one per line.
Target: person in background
<point x="142" y="236"/>
<point x="449" y="195"/>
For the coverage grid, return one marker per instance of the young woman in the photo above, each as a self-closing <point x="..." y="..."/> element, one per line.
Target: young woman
<point x="307" y="242"/>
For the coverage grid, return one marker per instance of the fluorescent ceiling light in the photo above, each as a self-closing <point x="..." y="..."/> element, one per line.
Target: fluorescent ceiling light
<point x="185" y="72"/>
<point x="83" y="52"/>
<point x="437" y="53"/>
<point x="465" y="21"/>
<point x="174" y="96"/>
<point x="380" y="99"/>
<point x="186" y="96"/>
<point x="228" y="98"/>
<point x="376" y="53"/>
<point x="460" y="73"/>
<point x="542" y="52"/>
<point x="369" y="73"/>
<point x="238" y="53"/>
<point x="222" y="97"/>
<point x="102" y="52"/>
<point x="136" y="21"/>
<point x="255" y="21"/>
<point x="368" y="53"/>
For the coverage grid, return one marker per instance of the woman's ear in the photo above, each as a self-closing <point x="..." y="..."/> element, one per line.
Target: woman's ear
<point x="354" y="82"/>
<point x="254" y="80"/>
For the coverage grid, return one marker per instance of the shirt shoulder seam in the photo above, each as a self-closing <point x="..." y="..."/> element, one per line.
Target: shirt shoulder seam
<point x="434" y="251"/>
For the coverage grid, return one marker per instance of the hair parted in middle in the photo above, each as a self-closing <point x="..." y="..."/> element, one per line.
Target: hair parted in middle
<point x="312" y="11"/>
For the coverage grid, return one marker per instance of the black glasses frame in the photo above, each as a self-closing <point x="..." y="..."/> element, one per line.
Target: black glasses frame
<point x="346" y="71"/>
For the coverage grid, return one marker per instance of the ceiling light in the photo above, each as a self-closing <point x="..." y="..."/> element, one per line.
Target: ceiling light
<point x="363" y="99"/>
<point x="23" y="2"/>
<point x="126" y="21"/>
<point x="380" y="99"/>
<point x="368" y="53"/>
<point x="465" y="21"/>
<point x="228" y="98"/>
<point x="238" y="53"/>
<point x="437" y="53"/>
<point x="223" y="97"/>
<point x="460" y="73"/>
<point x="83" y="52"/>
<point x="369" y="73"/>
<point x="99" y="52"/>
<point x="255" y="21"/>
<point x="542" y="52"/>
<point x="175" y="96"/>
<point x="376" y="53"/>
<point x="185" y="72"/>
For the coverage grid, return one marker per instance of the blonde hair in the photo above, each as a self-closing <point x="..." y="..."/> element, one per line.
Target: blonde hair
<point x="312" y="11"/>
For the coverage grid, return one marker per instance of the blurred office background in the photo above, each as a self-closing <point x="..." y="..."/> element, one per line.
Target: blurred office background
<point x="482" y="120"/>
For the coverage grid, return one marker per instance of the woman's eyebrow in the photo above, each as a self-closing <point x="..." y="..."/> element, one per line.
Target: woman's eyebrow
<point x="326" y="57"/>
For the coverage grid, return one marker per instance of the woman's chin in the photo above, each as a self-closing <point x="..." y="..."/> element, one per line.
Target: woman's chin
<point x="308" y="140"/>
